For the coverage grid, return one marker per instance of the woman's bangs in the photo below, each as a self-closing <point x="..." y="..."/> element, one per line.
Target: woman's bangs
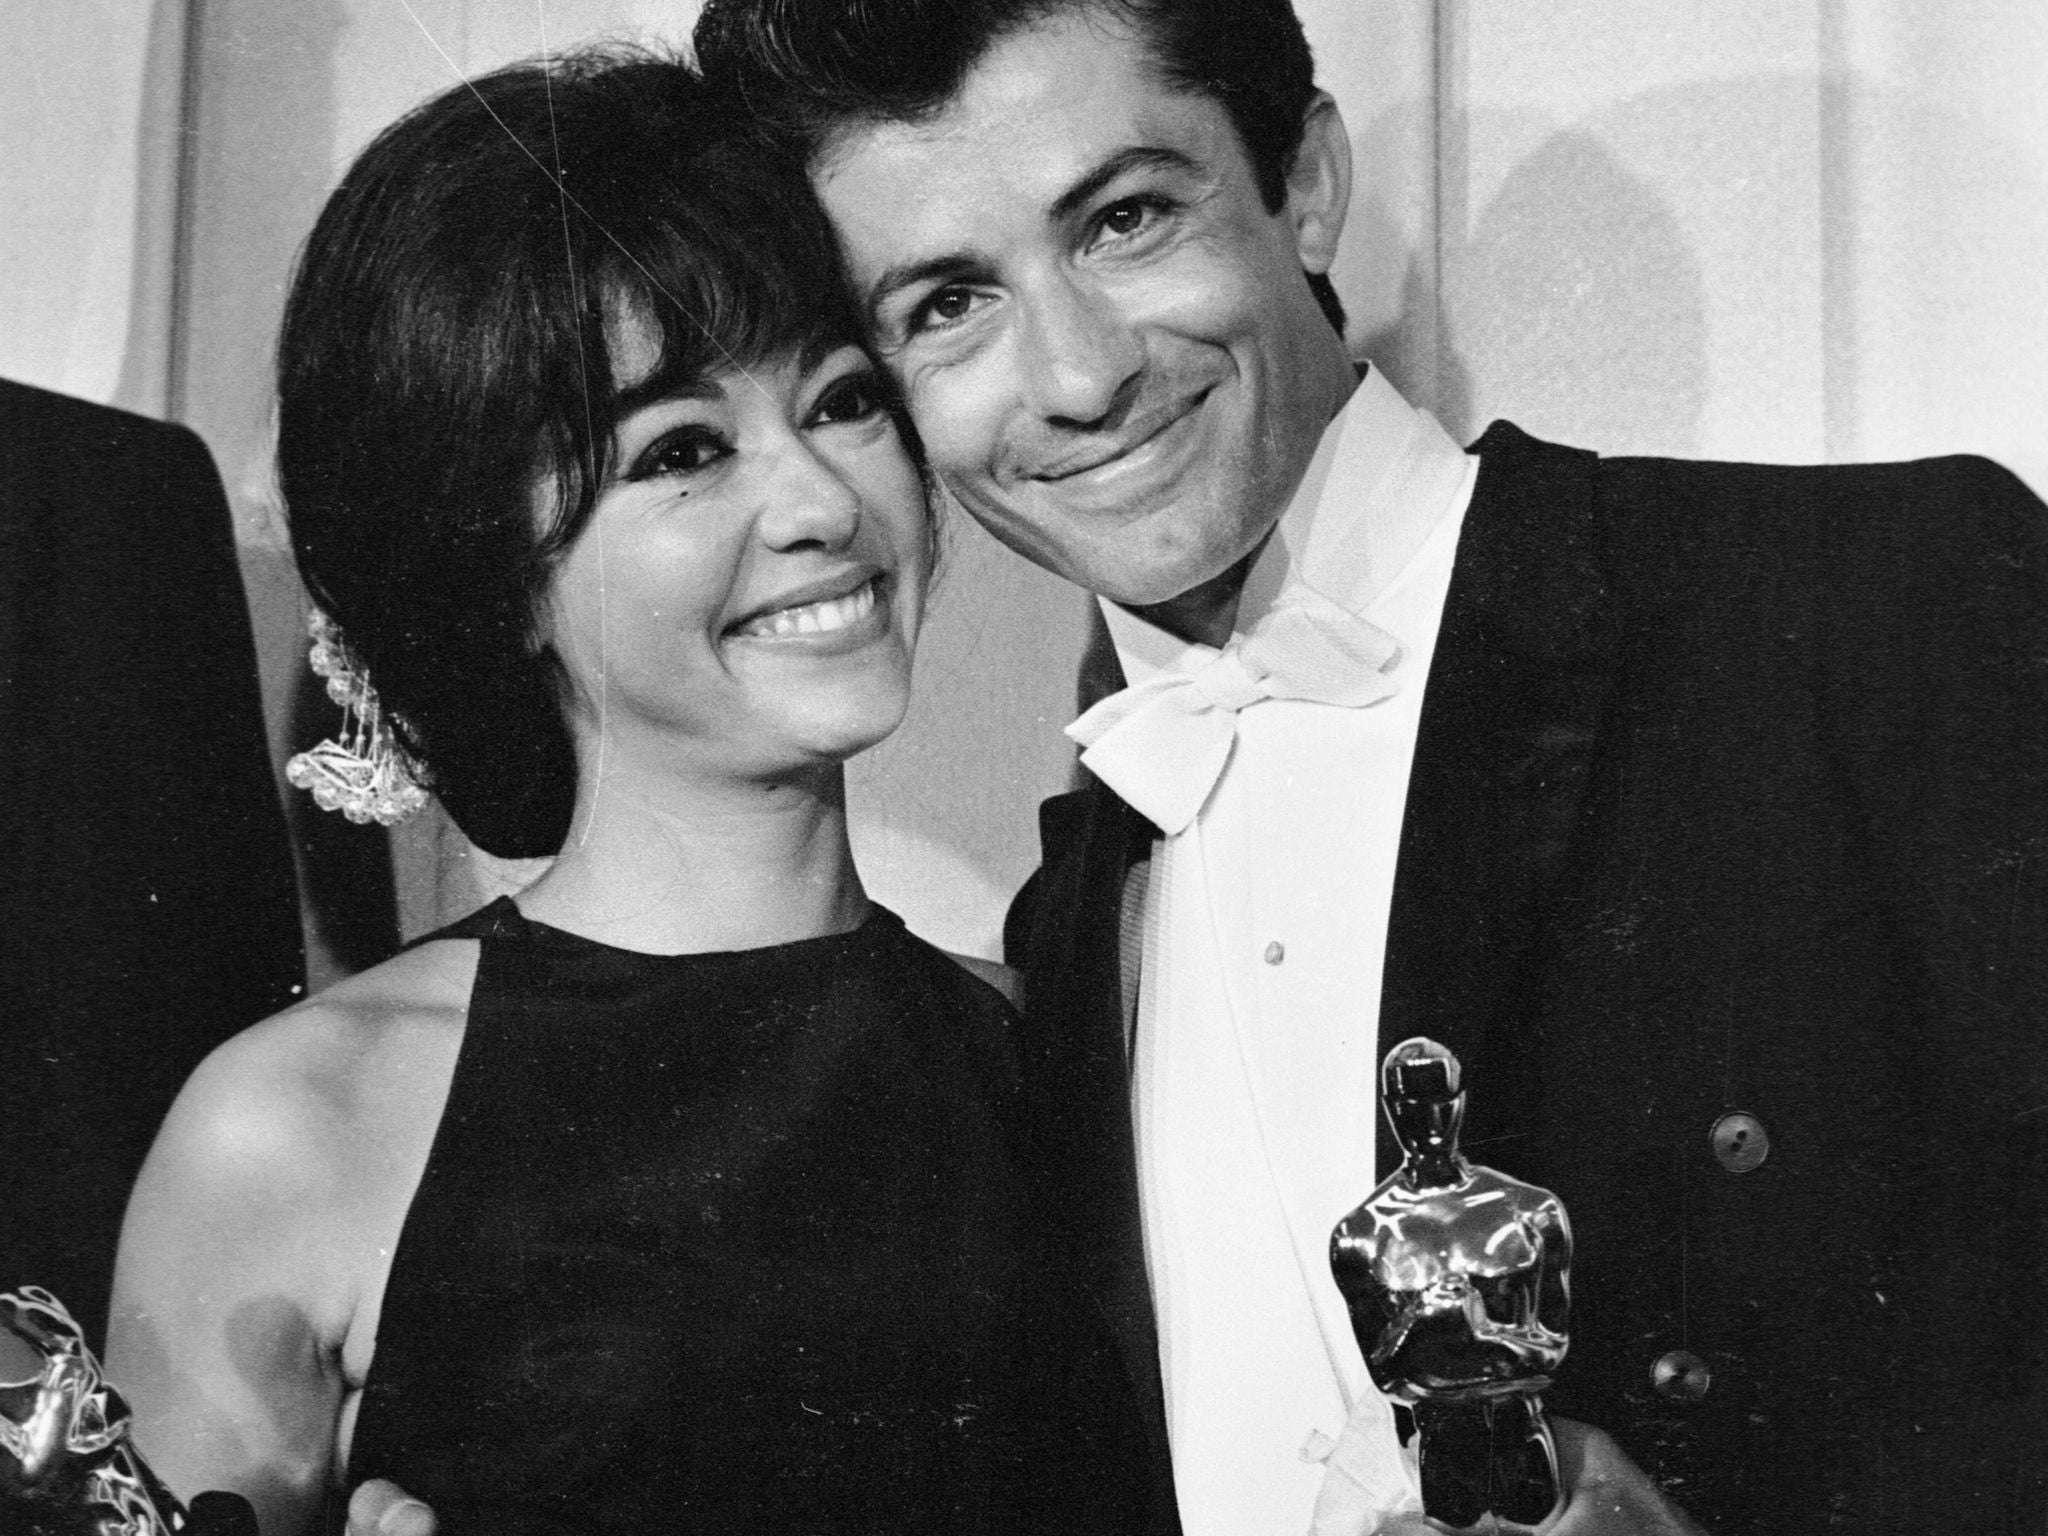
<point x="719" y="303"/>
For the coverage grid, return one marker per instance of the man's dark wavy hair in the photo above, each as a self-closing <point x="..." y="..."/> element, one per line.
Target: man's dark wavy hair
<point x="811" y="69"/>
<point x="444" y="352"/>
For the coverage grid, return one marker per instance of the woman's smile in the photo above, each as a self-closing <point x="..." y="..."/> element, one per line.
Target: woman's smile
<point x="857" y="615"/>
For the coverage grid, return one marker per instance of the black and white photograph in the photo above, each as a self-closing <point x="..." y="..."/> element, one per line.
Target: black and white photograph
<point x="1023" y="768"/>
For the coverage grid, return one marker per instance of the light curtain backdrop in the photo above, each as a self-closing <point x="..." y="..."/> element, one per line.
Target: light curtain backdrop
<point x="1793" y="230"/>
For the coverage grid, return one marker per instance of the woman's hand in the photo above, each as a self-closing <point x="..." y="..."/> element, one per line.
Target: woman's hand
<point x="379" y="1508"/>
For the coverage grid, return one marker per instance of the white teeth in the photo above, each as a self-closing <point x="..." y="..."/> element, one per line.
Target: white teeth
<point x="816" y="618"/>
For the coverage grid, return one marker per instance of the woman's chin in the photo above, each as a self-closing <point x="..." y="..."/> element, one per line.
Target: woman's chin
<point x="852" y="734"/>
<point x="832" y="706"/>
<point x="775" y="720"/>
<point x="823" y="732"/>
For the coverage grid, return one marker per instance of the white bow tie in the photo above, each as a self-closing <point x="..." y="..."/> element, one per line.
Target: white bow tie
<point x="1162" y="744"/>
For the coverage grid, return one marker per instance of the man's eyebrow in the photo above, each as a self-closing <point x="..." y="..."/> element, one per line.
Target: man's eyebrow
<point x="1139" y="157"/>
<point x="912" y="274"/>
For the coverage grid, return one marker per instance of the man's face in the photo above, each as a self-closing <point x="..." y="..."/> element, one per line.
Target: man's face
<point x="1106" y="340"/>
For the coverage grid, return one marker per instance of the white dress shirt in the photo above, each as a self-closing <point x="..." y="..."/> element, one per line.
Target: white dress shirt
<point x="1264" y="932"/>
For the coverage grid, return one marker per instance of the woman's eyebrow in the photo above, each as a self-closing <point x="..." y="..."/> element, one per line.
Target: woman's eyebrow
<point x="656" y="388"/>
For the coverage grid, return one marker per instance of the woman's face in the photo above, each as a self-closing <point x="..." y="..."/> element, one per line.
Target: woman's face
<point x="744" y="599"/>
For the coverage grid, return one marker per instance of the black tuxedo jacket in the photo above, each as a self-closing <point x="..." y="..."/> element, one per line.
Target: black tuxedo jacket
<point x="1730" y="798"/>
<point x="147" y="904"/>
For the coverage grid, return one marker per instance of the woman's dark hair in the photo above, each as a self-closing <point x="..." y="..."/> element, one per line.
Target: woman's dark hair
<point x="445" y="351"/>
<point x="810" y="69"/>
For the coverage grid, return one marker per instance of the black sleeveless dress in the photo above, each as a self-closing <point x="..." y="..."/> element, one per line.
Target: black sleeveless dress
<point x="738" y="1242"/>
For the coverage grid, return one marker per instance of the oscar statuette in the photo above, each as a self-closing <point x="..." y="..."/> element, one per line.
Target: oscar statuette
<point x="67" y="1467"/>
<point x="1458" y="1282"/>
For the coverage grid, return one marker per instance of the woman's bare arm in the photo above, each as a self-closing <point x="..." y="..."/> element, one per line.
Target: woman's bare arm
<point x="228" y="1311"/>
<point x="261" y="1230"/>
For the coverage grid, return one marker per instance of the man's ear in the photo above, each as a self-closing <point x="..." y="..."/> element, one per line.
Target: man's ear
<point x="1319" y="184"/>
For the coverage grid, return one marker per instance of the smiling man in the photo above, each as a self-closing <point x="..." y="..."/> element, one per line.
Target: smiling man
<point x="1700" y="808"/>
<point x="1084" y="295"/>
<point x="1102" y="323"/>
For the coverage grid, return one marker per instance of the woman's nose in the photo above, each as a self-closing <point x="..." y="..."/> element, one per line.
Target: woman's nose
<point x="1080" y="356"/>
<point x="807" y="502"/>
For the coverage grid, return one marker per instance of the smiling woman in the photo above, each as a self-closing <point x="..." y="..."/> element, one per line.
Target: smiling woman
<point x="747" y="596"/>
<point x="688" y="1192"/>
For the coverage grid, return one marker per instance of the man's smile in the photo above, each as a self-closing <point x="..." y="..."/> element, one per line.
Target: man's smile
<point x="1089" y="457"/>
<point x="1123" y="473"/>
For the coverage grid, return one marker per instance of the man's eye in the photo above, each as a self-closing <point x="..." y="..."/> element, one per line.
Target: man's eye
<point x="853" y="398"/>
<point x="1124" y="218"/>
<point x="1131" y="218"/>
<point x="680" y="453"/>
<point x="946" y="306"/>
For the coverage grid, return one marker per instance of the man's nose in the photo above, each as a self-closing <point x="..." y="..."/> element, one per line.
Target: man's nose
<point x="1081" y="358"/>
<point x="806" y="501"/>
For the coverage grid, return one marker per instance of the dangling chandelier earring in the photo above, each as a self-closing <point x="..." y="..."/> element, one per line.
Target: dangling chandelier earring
<point x="362" y="774"/>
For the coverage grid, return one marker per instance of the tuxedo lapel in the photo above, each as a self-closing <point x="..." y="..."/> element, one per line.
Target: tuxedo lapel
<point x="1064" y="933"/>
<point x="1523" y="666"/>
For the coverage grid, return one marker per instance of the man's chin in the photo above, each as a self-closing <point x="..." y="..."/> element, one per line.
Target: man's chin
<point x="1124" y="563"/>
<point x="1202" y="608"/>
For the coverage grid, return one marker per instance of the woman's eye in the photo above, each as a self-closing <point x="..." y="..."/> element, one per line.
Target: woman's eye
<point x="853" y="398"/>
<point x="681" y="453"/>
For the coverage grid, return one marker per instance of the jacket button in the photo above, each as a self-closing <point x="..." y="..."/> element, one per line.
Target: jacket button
<point x="1680" y="1376"/>
<point x="1740" y="1142"/>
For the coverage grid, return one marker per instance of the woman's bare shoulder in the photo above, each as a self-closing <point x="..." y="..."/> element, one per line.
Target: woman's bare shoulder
<point x="299" y="1111"/>
<point x="341" y="1050"/>
<point x="419" y="987"/>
